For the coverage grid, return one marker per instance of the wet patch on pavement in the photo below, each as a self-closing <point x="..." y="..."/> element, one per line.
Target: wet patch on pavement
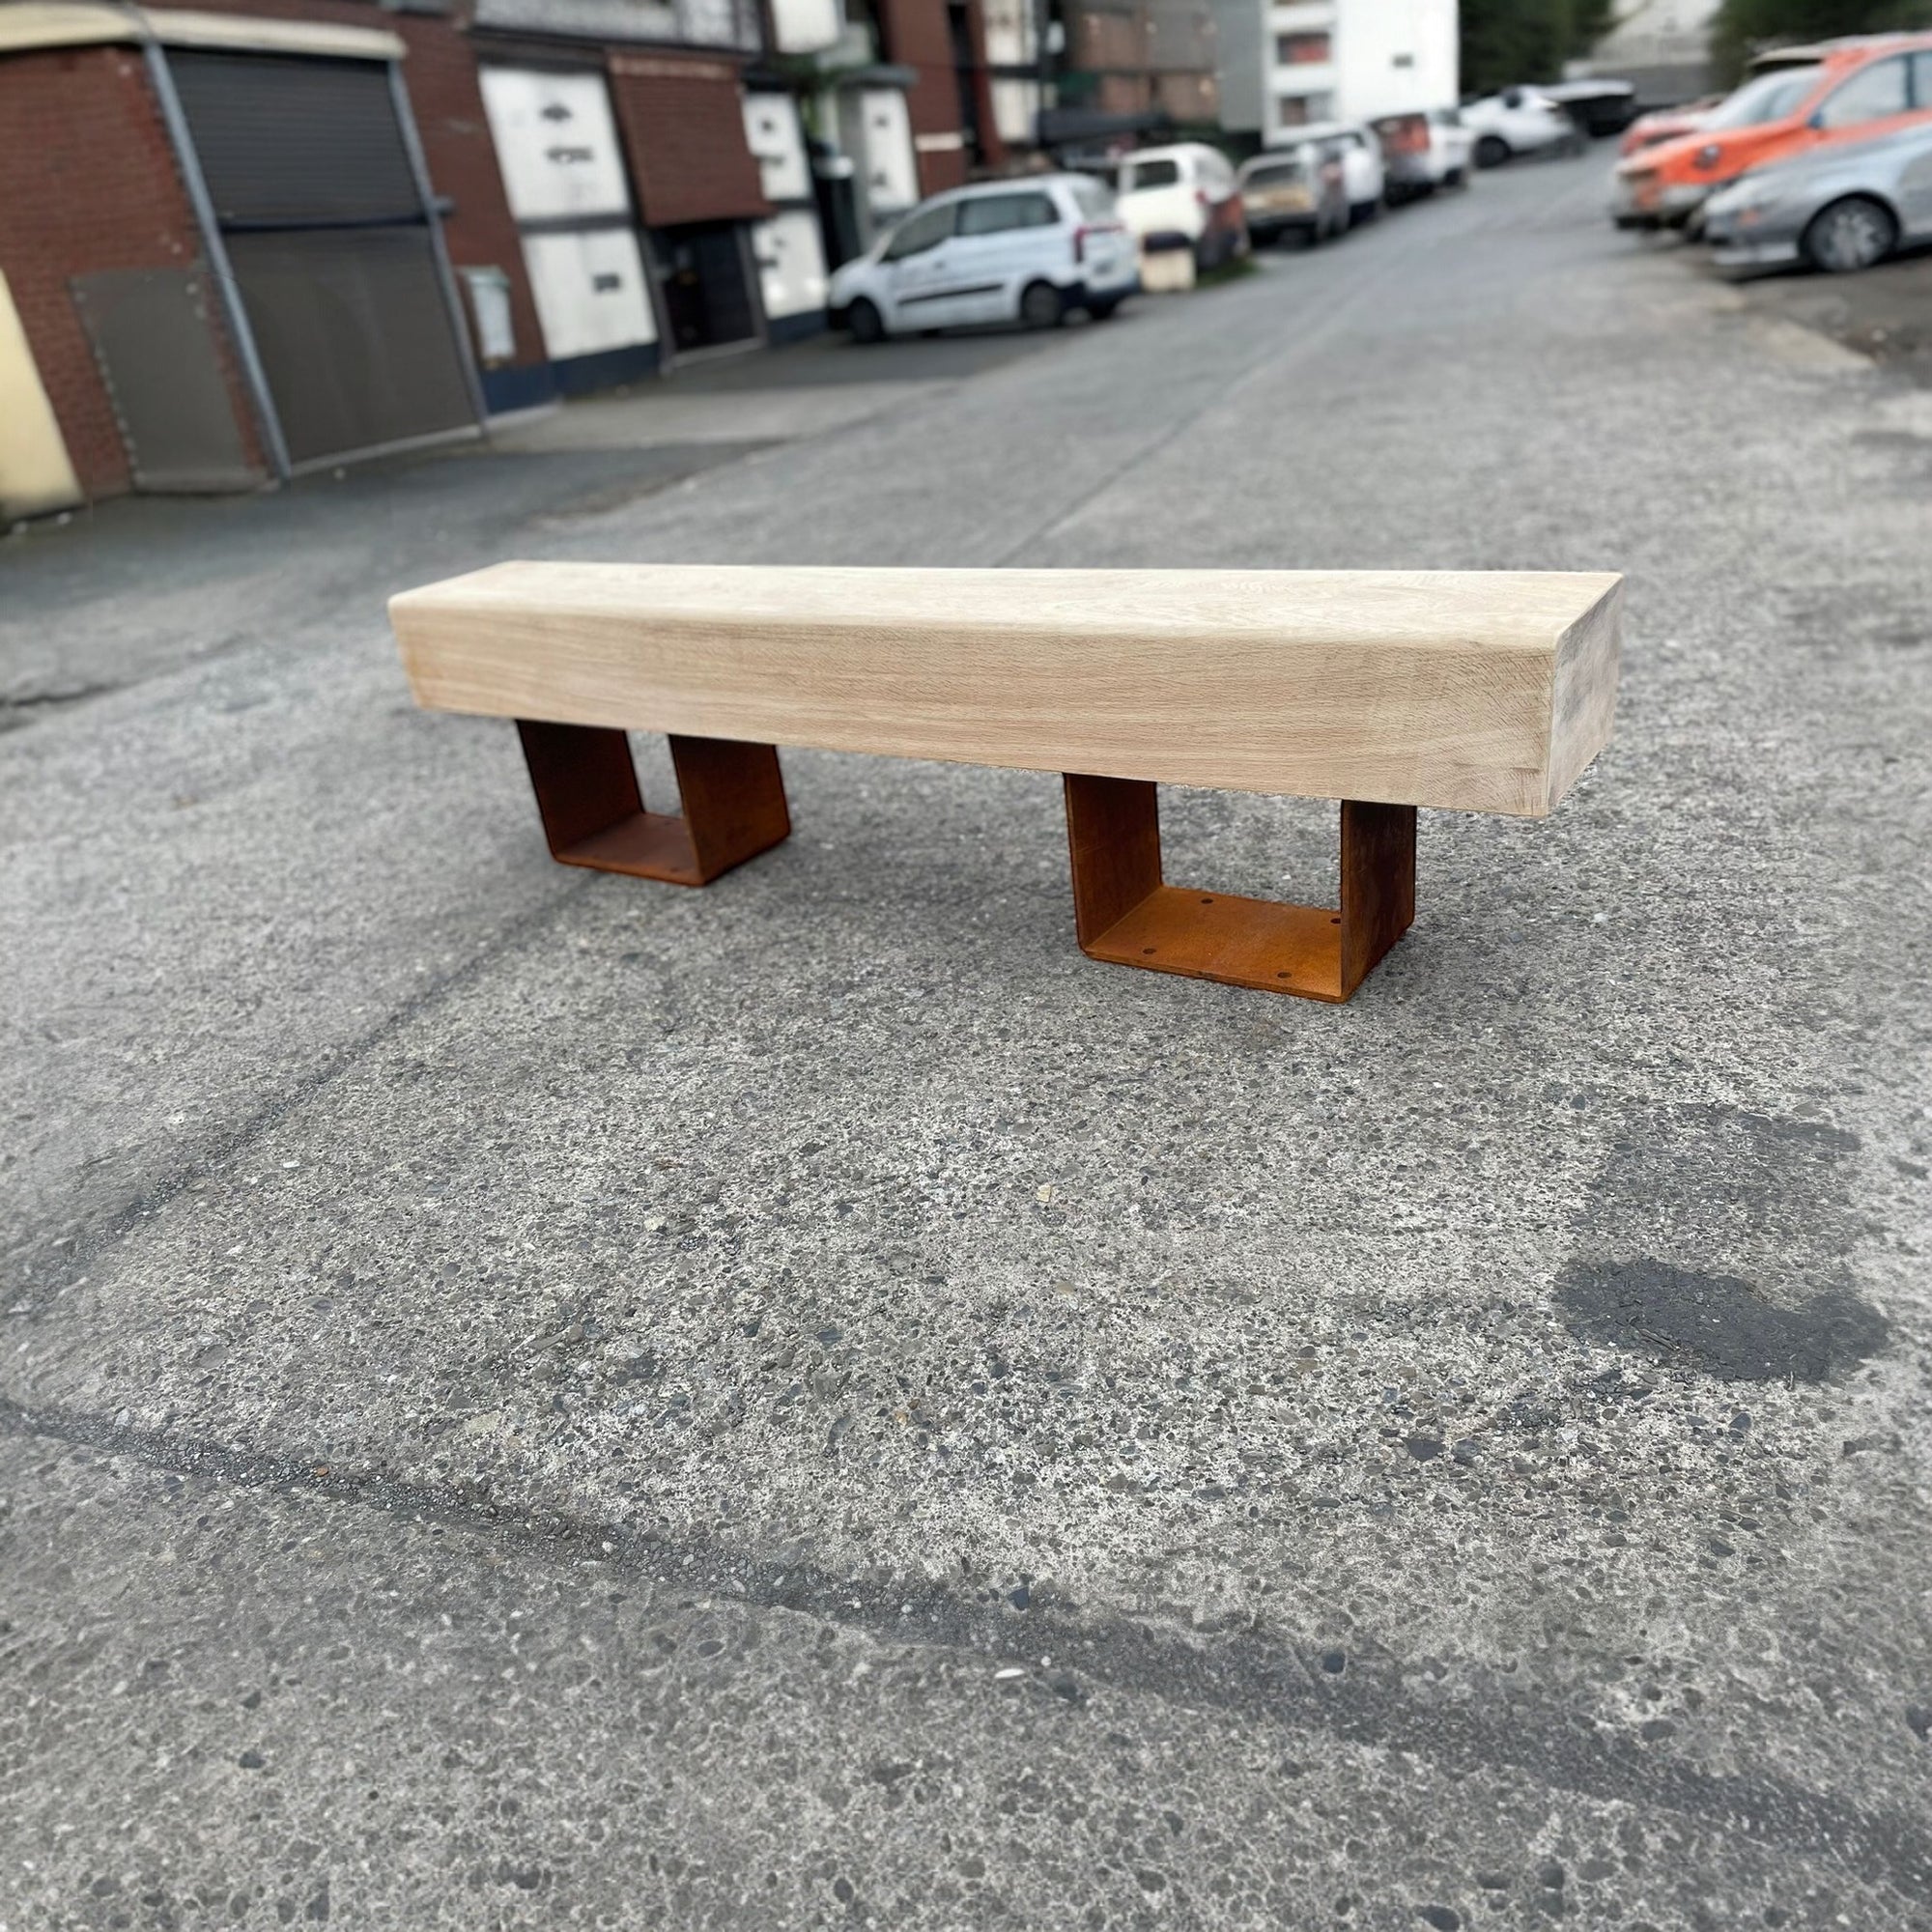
<point x="1717" y="1323"/>
<point x="1720" y="1242"/>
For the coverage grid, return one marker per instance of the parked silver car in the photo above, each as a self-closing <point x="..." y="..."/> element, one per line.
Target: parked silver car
<point x="1839" y="208"/>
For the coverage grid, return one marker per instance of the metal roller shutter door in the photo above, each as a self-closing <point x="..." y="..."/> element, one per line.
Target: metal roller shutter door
<point x="323" y="221"/>
<point x="354" y="335"/>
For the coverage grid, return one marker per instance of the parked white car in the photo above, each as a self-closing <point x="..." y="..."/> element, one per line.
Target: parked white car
<point x="1183" y="194"/>
<point x="1519" y="121"/>
<point x="1024" y="252"/>
<point x="1452" y="148"/>
<point x="1364" y="173"/>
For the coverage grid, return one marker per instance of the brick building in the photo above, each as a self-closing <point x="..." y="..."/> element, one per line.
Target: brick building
<point x="1131" y="57"/>
<point x="92" y="190"/>
<point x="240" y="240"/>
<point x="892" y="99"/>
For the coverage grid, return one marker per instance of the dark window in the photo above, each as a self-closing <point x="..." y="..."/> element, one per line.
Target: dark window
<point x="1154" y="174"/>
<point x="1874" y="93"/>
<point x="996" y="214"/>
<point x="926" y="228"/>
<point x="1771" y="97"/>
<point x="1303" y="49"/>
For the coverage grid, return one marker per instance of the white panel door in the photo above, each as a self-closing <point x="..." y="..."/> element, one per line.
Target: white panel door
<point x="807" y="26"/>
<point x="1016" y="109"/>
<point x="591" y="291"/>
<point x="774" y="136"/>
<point x="791" y="262"/>
<point x="556" y="143"/>
<point x="892" y="172"/>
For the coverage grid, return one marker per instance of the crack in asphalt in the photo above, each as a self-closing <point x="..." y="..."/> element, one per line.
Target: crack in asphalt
<point x="19" y="708"/>
<point x="1245" y="1671"/>
<point x="90" y="1245"/>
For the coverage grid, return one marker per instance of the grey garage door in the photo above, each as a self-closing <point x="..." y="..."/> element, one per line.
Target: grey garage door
<point x="333" y="254"/>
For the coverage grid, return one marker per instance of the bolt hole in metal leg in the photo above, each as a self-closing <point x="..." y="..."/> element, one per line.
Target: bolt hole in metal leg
<point x="1125" y="913"/>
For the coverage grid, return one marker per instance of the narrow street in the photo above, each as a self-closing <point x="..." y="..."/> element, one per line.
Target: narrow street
<point x="531" y="1399"/>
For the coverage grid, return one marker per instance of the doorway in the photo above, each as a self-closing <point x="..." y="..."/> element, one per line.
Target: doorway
<point x="705" y="286"/>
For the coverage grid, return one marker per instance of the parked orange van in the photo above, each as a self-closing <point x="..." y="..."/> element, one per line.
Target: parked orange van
<point x="1854" y="90"/>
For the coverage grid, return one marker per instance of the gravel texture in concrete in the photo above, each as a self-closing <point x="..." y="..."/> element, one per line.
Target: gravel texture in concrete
<point x="529" y="1399"/>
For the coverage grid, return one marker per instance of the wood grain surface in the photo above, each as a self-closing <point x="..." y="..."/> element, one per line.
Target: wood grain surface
<point x="1484" y="690"/>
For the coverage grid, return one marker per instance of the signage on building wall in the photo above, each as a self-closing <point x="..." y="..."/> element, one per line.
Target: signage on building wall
<point x="638" y="67"/>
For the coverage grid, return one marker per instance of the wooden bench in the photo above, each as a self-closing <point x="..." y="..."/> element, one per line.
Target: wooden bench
<point x="1484" y="692"/>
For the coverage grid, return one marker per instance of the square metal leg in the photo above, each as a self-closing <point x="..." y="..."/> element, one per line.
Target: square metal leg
<point x="1126" y="914"/>
<point x="593" y="813"/>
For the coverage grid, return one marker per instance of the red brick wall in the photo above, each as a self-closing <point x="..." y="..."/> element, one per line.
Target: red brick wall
<point x="1194" y="99"/>
<point x="91" y="186"/>
<point x="993" y="149"/>
<point x="684" y="131"/>
<point x="447" y="101"/>
<point x="916" y="35"/>
<point x="1104" y="38"/>
<point x="1123" y="93"/>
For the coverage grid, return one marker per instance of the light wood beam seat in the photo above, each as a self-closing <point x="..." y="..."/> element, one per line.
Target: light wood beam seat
<point x="1384" y="690"/>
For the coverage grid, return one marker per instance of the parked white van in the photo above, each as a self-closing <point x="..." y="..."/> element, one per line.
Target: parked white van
<point x="1184" y="194"/>
<point x="1001" y="251"/>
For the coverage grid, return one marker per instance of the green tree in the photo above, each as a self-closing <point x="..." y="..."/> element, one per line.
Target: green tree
<point x="1744" y="24"/>
<point x="1506" y="41"/>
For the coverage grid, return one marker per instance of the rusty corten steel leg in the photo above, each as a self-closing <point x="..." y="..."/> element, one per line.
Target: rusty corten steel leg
<point x="593" y="813"/>
<point x="1378" y="884"/>
<point x="1124" y="913"/>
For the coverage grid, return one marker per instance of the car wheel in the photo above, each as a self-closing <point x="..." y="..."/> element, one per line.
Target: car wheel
<point x="1041" y="307"/>
<point x="1456" y="178"/>
<point x="867" y="323"/>
<point x="1104" y="311"/>
<point x="1491" y="152"/>
<point x="1850" y="234"/>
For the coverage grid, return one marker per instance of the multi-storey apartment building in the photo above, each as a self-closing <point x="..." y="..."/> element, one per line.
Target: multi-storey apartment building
<point x="1283" y="66"/>
<point x="1096" y="75"/>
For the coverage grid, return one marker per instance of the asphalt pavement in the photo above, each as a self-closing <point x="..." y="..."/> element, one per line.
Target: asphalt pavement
<point x="534" y="1399"/>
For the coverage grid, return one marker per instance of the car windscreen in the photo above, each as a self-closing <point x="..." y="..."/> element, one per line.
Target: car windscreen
<point x="1150" y="174"/>
<point x="1768" y="97"/>
<point x="1275" y="173"/>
